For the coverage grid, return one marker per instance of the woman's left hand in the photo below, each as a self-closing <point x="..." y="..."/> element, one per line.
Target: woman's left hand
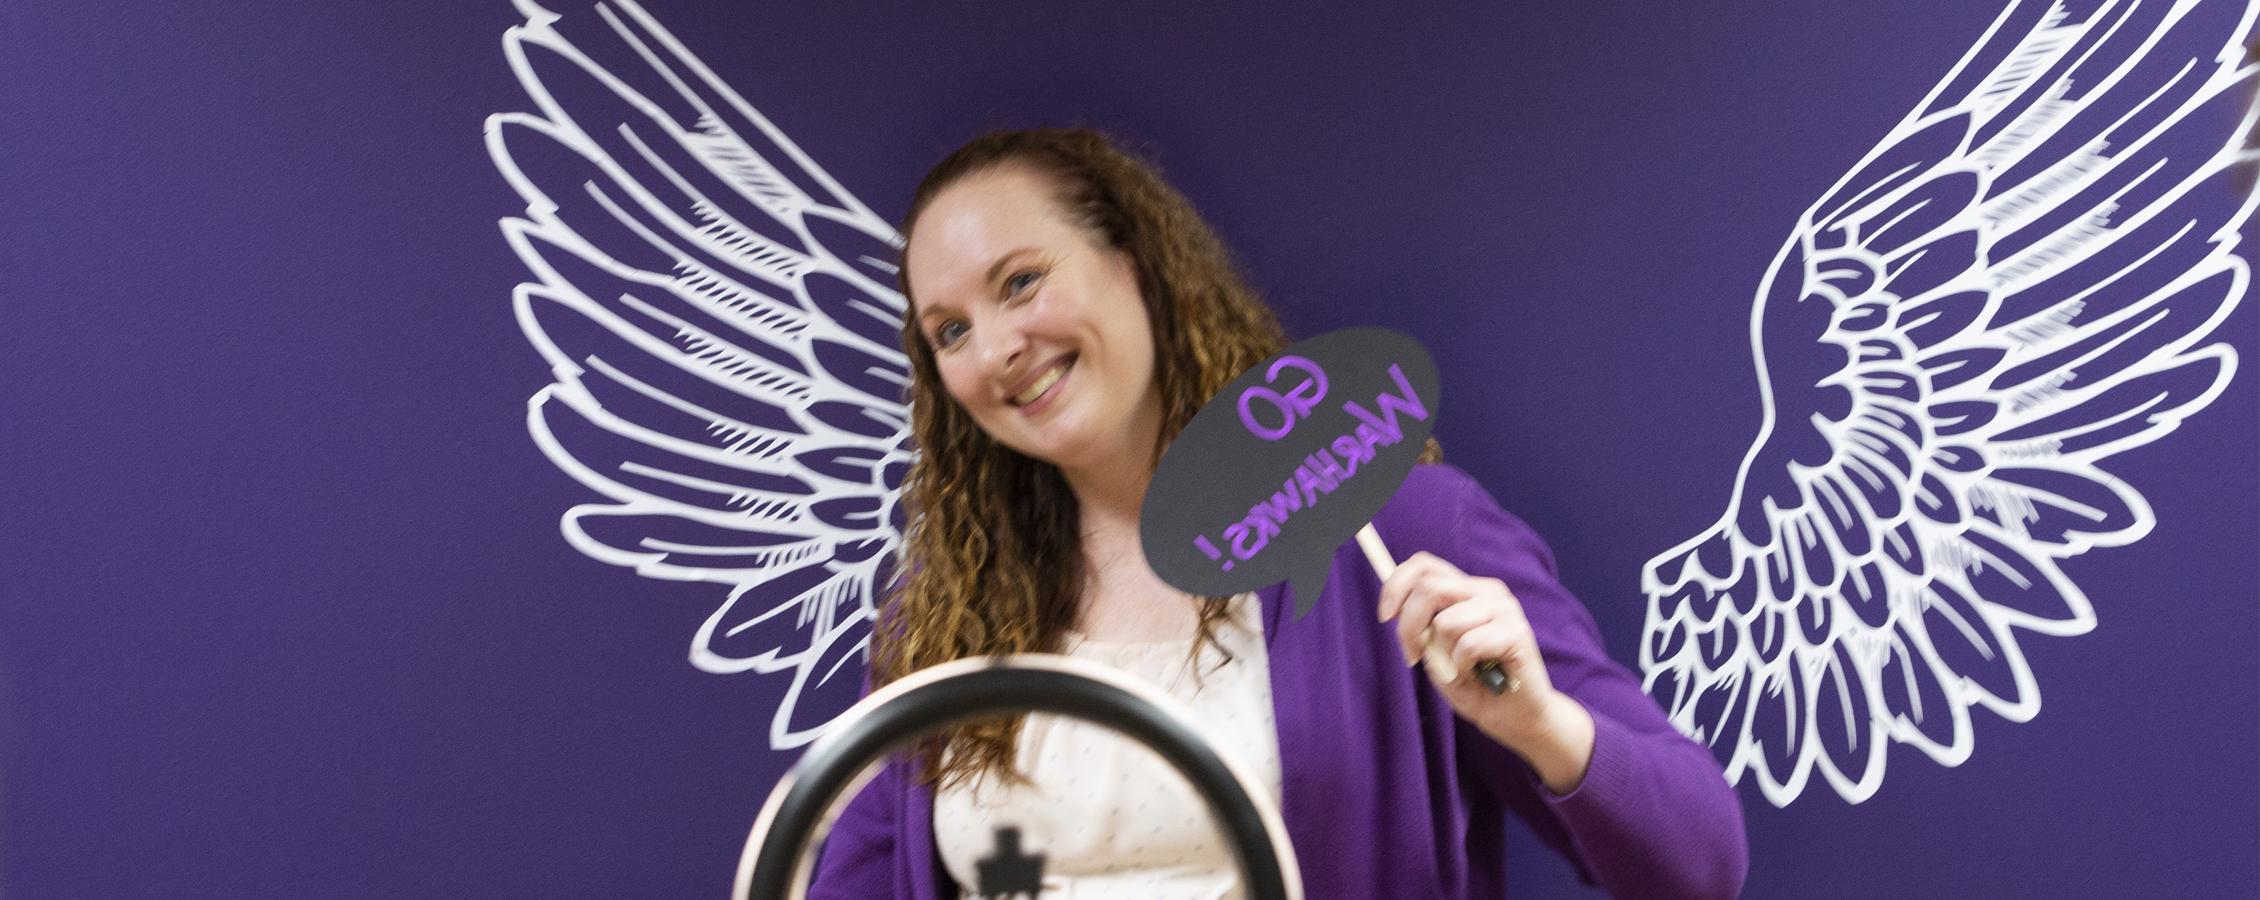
<point x="1454" y="621"/>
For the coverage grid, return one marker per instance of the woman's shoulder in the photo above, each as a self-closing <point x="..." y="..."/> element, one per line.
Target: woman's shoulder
<point x="1432" y="496"/>
<point x="1443" y="509"/>
<point x="1438" y="481"/>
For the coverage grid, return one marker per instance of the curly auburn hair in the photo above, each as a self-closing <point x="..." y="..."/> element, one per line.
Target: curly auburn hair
<point x="993" y="555"/>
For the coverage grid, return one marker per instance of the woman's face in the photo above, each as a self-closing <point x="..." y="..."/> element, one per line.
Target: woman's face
<point x="1037" y="326"/>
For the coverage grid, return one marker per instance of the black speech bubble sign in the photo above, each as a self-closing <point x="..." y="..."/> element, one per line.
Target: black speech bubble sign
<point x="1287" y="462"/>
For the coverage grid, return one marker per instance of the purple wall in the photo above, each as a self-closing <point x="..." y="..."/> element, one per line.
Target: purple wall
<point x="284" y="610"/>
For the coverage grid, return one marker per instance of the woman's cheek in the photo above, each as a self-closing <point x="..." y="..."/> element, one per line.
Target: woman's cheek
<point x="955" y="381"/>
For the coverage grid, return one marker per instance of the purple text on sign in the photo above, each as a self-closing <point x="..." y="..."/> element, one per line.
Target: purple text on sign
<point x="1291" y="406"/>
<point x="1209" y="548"/>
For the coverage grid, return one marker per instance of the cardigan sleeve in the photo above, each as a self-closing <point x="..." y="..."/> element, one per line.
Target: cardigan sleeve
<point x="1654" y="816"/>
<point x="857" y="861"/>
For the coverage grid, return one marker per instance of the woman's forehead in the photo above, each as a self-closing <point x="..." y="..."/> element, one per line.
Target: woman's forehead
<point x="978" y="221"/>
<point x="991" y="203"/>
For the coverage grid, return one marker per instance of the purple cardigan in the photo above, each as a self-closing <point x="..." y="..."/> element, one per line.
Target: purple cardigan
<point x="1386" y="792"/>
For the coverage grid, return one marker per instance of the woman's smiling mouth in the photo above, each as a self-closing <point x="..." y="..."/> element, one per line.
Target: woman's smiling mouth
<point x="1038" y="393"/>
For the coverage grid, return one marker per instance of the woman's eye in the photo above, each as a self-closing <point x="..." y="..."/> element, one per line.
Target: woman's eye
<point x="948" y="334"/>
<point x="1020" y="281"/>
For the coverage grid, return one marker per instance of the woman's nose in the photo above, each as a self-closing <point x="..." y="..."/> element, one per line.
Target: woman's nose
<point x="1000" y="343"/>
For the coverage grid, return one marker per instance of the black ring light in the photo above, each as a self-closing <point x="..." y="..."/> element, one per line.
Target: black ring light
<point x="779" y="854"/>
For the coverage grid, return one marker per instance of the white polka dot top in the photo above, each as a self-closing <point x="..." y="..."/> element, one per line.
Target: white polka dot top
<point x="1111" y="819"/>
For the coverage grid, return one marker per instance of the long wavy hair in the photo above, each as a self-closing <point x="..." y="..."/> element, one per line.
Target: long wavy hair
<point x="993" y="557"/>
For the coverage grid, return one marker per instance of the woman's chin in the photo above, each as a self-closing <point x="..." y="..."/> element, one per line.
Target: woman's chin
<point x="1072" y="443"/>
<point x="1067" y="457"/>
<point x="1069" y="452"/>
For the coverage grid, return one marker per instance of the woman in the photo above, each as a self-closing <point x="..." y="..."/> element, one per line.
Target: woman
<point x="1069" y="314"/>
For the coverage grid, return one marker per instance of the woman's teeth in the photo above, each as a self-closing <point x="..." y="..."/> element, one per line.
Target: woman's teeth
<point x="1042" y="384"/>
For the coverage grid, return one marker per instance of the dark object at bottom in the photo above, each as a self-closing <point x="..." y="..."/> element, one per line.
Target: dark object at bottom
<point x="780" y="852"/>
<point x="1009" y="873"/>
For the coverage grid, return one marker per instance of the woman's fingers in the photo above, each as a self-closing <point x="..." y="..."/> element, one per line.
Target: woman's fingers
<point x="1408" y="574"/>
<point x="1454" y="622"/>
<point x="1481" y="621"/>
<point x="1464" y="634"/>
<point x="1430" y="599"/>
<point x="1458" y="623"/>
<point x="1432" y="593"/>
<point x="1412" y="623"/>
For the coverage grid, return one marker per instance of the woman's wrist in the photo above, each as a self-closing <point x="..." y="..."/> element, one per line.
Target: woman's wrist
<point x="1558" y="745"/>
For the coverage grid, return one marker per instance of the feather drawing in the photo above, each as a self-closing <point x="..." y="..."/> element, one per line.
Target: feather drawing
<point x="720" y="319"/>
<point x="2020" y="282"/>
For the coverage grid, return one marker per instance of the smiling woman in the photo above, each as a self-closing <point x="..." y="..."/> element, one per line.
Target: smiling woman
<point x="1070" y="313"/>
<point x="1033" y="253"/>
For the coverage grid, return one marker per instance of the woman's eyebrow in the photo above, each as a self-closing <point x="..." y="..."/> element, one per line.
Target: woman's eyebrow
<point x="997" y="268"/>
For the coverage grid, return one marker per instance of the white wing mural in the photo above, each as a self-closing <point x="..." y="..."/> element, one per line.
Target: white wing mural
<point x="2018" y="283"/>
<point x="720" y="319"/>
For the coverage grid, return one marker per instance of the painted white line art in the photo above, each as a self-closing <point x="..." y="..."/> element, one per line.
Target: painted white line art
<point x="2020" y="281"/>
<point x="721" y="321"/>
